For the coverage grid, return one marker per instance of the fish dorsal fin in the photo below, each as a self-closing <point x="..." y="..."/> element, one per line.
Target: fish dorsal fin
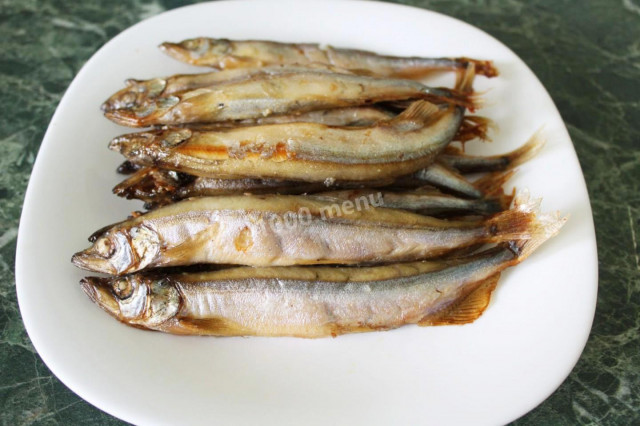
<point x="468" y="309"/>
<point x="422" y="112"/>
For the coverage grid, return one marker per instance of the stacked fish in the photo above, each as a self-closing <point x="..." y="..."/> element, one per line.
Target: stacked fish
<point x="291" y="156"/>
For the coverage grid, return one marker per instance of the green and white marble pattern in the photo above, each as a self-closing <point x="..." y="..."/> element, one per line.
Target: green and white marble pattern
<point x="587" y="54"/>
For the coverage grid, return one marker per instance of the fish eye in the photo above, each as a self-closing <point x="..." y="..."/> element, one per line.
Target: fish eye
<point x="105" y="247"/>
<point x="122" y="289"/>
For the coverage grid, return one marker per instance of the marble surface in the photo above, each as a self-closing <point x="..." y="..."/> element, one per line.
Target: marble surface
<point x="587" y="54"/>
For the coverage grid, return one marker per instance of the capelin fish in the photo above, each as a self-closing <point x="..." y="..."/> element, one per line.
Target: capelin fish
<point x="301" y="151"/>
<point x="464" y="163"/>
<point x="228" y="54"/>
<point x="264" y="95"/>
<point x="313" y="301"/>
<point x="158" y="187"/>
<point x="429" y="202"/>
<point x="138" y="92"/>
<point x="280" y="230"/>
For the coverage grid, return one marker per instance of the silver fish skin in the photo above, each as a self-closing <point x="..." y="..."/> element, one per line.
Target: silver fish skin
<point x="229" y="54"/>
<point x="427" y="202"/>
<point x="448" y="180"/>
<point x="301" y="151"/>
<point x="281" y="230"/>
<point x="263" y="95"/>
<point x="310" y="302"/>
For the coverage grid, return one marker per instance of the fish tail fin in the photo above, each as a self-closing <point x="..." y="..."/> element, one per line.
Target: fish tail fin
<point x="522" y="227"/>
<point x="462" y="94"/>
<point x="467" y="309"/>
<point x="464" y="88"/>
<point x="474" y="127"/>
<point x="527" y="151"/>
<point x="491" y="186"/>
<point x="485" y="68"/>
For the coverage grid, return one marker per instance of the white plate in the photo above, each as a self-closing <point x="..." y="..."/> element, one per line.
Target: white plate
<point x="489" y="372"/>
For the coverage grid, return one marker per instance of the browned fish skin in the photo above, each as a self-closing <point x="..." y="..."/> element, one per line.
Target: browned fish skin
<point x="228" y="54"/>
<point x="301" y="151"/>
<point x="288" y="230"/>
<point x="264" y="95"/>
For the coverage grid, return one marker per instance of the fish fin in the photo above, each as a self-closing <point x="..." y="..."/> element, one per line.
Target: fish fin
<point x="468" y="309"/>
<point x="420" y="111"/>
<point x="542" y="228"/>
<point x="491" y="186"/>
<point x="453" y="150"/>
<point x="474" y="127"/>
<point x="523" y="227"/>
<point x="207" y="326"/>
<point x="527" y="151"/>
<point x="464" y="80"/>
<point x="485" y="68"/>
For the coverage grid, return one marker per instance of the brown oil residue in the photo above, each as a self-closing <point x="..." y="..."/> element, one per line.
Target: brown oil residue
<point x="281" y="152"/>
<point x="244" y="240"/>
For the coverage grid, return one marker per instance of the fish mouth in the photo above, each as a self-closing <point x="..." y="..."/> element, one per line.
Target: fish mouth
<point x="175" y="50"/>
<point x="91" y="262"/>
<point x="98" y="290"/>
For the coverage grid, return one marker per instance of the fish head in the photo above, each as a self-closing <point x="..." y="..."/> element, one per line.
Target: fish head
<point x="201" y="49"/>
<point x="120" y="250"/>
<point x="142" y="146"/>
<point x="141" y="300"/>
<point x="134" y="97"/>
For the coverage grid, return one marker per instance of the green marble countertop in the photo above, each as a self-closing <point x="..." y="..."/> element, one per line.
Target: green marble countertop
<point x="587" y="54"/>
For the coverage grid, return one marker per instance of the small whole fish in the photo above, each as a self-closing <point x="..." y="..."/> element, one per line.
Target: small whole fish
<point x="157" y="187"/>
<point x="310" y="302"/>
<point x="301" y="151"/>
<point x="138" y="92"/>
<point x="263" y="95"/>
<point x="229" y="54"/>
<point x="275" y="230"/>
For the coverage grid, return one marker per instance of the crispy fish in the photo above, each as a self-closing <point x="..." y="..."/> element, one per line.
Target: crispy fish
<point x="158" y="187"/>
<point x="301" y="151"/>
<point x="279" y="230"/>
<point x="138" y="92"/>
<point x="314" y="301"/>
<point x="263" y="95"/>
<point x="229" y="54"/>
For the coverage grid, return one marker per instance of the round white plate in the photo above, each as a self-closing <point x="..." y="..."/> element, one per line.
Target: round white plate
<point x="488" y="372"/>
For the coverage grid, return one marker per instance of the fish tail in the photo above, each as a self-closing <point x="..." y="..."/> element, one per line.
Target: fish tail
<point x="474" y="127"/>
<point x="527" y="151"/>
<point x="463" y="90"/>
<point x="523" y="227"/>
<point x="491" y="186"/>
<point x="485" y="68"/>
<point x="462" y="94"/>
